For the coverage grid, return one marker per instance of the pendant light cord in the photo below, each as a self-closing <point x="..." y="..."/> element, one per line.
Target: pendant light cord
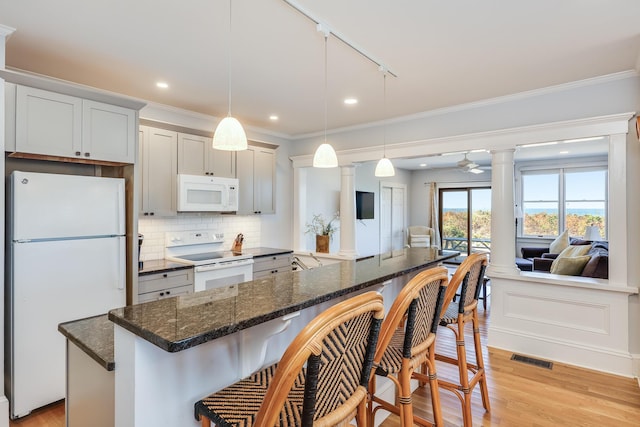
<point x="326" y="37"/>
<point x="384" y="112"/>
<point x="229" y="60"/>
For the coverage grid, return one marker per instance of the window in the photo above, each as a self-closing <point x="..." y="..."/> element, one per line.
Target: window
<point x="567" y="198"/>
<point x="465" y="219"/>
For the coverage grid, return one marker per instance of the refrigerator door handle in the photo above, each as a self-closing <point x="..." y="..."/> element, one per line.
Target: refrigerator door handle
<point x="121" y="263"/>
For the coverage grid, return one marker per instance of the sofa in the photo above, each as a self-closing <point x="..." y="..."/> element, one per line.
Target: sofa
<point x="597" y="266"/>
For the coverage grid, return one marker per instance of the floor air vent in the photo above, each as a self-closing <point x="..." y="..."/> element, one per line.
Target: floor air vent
<point x="532" y="361"/>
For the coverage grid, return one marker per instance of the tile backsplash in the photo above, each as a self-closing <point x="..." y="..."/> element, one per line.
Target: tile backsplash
<point x="154" y="230"/>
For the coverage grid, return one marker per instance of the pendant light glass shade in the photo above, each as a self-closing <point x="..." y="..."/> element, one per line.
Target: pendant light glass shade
<point x="385" y="168"/>
<point x="325" y="157"/>
<point x="229" y="135"/>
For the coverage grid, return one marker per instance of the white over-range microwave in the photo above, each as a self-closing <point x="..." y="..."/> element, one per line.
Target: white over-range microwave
<point x="197" y="193"/>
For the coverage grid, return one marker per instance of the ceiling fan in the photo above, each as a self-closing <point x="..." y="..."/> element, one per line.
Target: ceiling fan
<point x="469" y="166"/>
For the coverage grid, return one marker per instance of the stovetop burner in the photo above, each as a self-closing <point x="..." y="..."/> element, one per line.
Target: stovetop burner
<point x="213" y="256"/>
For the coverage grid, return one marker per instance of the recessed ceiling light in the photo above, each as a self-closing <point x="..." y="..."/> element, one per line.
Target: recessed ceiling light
<point x="273" y="117"/>
<point x="350" y="101"/>
<point x="564" y="152"/>
<point x="422" y="165"/>
<point x="162" y="85"/>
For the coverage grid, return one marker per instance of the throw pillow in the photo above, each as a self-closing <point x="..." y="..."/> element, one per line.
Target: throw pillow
<point x="420" y="240"/>
<point x="561" y="242"/>
<point x="574" y="250"/>
<point x="570" y="266"/>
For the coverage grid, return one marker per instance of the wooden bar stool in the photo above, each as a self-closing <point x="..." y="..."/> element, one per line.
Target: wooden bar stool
<point x="455" y="316"/>
<point x="321" y="379"/>
<point x="407" y="342"/>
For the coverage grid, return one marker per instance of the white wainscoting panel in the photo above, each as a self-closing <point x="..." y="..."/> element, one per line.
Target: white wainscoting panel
<point x="570" y="321"/>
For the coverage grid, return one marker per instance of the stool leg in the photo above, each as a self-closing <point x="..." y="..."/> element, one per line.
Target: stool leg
<point x="404" y="391"/>
<point x="484" y="390"/>
<point x="464" y="375"/>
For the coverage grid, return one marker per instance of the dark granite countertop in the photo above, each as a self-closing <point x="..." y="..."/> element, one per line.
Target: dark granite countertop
<point x="161" y="265"/>
<point x="261" y="252"/>
<point x="94" y="335"/>
<point x="178" y="323"/>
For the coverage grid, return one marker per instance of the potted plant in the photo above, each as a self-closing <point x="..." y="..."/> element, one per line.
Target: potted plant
<point x="323" y="231"/>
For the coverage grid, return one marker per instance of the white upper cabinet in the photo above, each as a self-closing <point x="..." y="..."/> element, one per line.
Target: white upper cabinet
<point x="256" y="174"/>
<point x="48" y="123"/>
<point x="108" y="132"/>
<point x="158" y="149"/>
<point x="197" y="157"/>
<point x="53" y="124"/>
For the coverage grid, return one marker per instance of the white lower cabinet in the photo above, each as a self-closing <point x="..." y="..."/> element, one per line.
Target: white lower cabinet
<point x="271" y="264"/>
<point x="168" y="284"/>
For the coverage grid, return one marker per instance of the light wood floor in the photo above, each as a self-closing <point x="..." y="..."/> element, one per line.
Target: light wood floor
<point x="521" y="395"/>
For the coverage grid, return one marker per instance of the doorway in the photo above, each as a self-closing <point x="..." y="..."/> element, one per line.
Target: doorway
<point x="465" y="220"/>
<point x="393" y="207"/>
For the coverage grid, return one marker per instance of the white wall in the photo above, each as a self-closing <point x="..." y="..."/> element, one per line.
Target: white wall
<point x="368" y="231"/>
<point x="323" y="198"/>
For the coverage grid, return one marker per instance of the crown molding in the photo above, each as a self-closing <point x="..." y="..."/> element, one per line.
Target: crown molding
<point x="483" y="103"/>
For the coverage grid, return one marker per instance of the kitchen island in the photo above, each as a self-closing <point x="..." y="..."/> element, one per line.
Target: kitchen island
<point x="172" y="352"/>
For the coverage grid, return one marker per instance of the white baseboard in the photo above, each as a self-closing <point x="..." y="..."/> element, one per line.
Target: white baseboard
<point x="636" y="366"/>
<point x="4" y="411"/>
<point x="571" y="353"/>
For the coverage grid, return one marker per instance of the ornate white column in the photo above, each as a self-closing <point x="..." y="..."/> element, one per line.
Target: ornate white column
<point x="503" y="245"/>
<point x="347" y="211"/>
<point x="617" y="223"/>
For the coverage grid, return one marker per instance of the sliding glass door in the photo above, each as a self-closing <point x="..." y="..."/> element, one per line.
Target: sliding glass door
<point x="465" y="219"/>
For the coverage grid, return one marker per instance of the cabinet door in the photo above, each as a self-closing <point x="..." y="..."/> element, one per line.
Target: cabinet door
<point x="221" y="163"/>
<point x="159" y="169"/>
<point x="263" y="180"/>
<point x="48" y="123"/>
<point x="108" y="132"/>
<point x="191" y="154"/>
<point x="244" y="170"/>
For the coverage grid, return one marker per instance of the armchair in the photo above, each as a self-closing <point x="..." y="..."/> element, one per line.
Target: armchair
<point x="420" y="236"/>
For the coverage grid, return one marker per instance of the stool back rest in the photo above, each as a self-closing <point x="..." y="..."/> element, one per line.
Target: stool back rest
<point x="338" y="348"/>
<point x="474" y="284"/>
<point x="417" y="307"/>
<point x="472" y="269"/>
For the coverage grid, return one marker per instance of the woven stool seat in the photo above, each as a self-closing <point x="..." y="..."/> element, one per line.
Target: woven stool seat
<point x="321" y="379"/>
<point x="238" y="404"/>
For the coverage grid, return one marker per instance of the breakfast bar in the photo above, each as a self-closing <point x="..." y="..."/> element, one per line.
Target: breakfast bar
<point x="170" y="353"/>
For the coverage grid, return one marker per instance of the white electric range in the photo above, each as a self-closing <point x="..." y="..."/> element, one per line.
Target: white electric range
<point x="214" y="267"/>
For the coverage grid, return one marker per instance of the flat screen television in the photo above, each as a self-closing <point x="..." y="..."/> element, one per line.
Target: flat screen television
<point x="364" y="204"/>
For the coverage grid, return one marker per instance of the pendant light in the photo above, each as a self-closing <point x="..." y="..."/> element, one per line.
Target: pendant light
<point x="384" y="167"/>
<point x="229" y="134"/>
<point x="325" y="156"/>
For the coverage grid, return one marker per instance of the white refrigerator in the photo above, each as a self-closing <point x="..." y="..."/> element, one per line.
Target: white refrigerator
<point x="65" y="261"/>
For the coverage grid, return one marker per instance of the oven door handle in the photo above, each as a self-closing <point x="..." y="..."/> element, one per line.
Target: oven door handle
<point x="222" y="265"/>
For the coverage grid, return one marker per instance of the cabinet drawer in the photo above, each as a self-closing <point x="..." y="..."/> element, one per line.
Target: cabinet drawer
<point x="163" y="281"/>
<point x="166" y="293"/>
<point x="271" y="263"/>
